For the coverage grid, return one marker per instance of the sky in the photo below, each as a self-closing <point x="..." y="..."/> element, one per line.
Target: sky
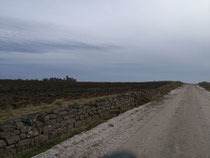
<point x="105" y="40"/>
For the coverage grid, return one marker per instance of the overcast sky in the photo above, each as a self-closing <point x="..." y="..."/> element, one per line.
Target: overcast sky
<point x="105" y="40"/>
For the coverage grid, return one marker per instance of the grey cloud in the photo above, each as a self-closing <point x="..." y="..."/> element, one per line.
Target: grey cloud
<point x="46" y="46"/>
<point x="31" y="37"/>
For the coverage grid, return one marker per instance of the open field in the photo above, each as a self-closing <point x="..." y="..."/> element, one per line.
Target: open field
<point x="22" y="97"/>
<point x="18" y="93"/>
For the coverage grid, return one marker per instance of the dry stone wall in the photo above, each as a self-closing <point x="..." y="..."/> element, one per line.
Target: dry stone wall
<point x="22" y="134"/>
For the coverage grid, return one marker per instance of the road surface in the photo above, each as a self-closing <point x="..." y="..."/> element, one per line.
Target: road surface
<point x="176" y="127"/>
<point x="180" y="130"/>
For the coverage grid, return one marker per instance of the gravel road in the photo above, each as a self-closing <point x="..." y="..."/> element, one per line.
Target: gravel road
<point x="180" y="130"/>
<point x="178" y="126"/>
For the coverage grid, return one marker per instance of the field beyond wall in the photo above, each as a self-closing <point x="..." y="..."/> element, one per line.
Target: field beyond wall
<point x="22" y="97"/>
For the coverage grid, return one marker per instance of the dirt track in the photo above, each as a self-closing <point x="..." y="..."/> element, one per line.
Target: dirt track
<point x="176" y="127"/>
<point x="180" y="129"/>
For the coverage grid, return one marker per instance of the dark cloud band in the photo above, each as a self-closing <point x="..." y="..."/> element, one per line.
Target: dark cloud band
<point x="18" y="36"/>
<point x="46" y="46"/>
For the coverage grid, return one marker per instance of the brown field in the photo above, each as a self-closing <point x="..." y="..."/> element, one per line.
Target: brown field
<point x="22" y="97"/>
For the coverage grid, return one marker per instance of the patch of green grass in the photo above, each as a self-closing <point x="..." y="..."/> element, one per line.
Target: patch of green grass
<point x="115" y="112"/>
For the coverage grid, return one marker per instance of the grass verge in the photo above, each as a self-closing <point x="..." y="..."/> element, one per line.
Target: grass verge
<point x="10" y="113"/>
